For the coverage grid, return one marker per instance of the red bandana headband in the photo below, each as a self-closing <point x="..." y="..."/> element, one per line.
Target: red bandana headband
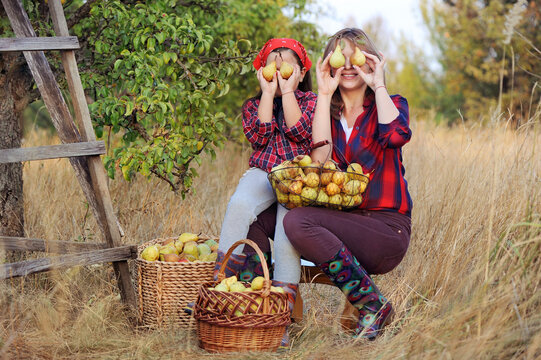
<point x="274" y="44"/>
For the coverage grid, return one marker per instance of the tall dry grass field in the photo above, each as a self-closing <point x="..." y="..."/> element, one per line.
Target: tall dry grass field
<point x="469" y="287"/>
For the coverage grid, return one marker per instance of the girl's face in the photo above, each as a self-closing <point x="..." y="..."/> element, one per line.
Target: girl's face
<point x="288" y="56"/>
<point x="350" y="80"/>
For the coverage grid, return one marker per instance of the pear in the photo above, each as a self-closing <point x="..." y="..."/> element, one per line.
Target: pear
<point x="269" y="70"/>
<point x="150" y="253"/>
<point x="171" y="257"/>
<point x="190" y="248"/>
<point x="337" y="59"/>
<point x="353" y="187"/>
<point x="185" y="237"/>
<point x="203" y="249"/>
<point x="322" y="197"/>
<point x="277" y="289"/>
<point x="179" y="245"/>
<point x="332" y="189"/>
<point x="304" y="160"/>
<point x="237" y="287"/>
<point x="358" y="57"/>
<point x="339" y="177"/>
<point x="257" y="283"/>
<point x="286" y="70"/>
<point x="221" y="287"/>
<point x="212" y="244"/>
<point x="311" y="180"/>
<point x="230" y="280"/>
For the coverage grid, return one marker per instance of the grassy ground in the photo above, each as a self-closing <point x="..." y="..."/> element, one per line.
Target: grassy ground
<point x="469" y="287"/>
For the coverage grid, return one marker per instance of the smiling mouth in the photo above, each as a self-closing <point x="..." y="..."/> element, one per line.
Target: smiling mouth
<point x="349" y="76"/>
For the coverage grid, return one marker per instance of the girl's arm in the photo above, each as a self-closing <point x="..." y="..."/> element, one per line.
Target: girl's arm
<point x="292" y="111"/>
<point x="257" y="132"/>
<point x="268" y="89"/>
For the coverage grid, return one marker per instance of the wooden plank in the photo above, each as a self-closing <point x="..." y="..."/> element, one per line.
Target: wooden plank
<point x="24" y="268"/>
<point x="54" y="101"/>
<point x="52" y="152"/>
<point x="313" y="274"/>
<point x="39" y="43"/>
<point x="11" y="243"/>
<point x="110" y="225"/>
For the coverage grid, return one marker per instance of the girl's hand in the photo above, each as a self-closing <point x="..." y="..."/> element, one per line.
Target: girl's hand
<point x="267" y="87"/>
<point x="326" y="83"/>
<point x="375" y="77"/>
<point x="292" y="83"/>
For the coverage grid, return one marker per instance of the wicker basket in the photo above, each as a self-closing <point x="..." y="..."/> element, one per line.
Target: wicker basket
<point x="164" y="288"/>
<point x="297" y="186"/>
<point x="241" y="321"/>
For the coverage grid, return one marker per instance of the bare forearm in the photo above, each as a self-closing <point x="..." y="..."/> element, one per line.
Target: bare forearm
<point x="264" y="111"/>
<point x="321" y="128"/>
<point x="292" y="111"/>
<point x="387" y="110"/>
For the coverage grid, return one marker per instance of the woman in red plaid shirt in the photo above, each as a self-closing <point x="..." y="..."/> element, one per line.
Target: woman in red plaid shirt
<point x="366" y="125"/>
<point x="278" y="124"/>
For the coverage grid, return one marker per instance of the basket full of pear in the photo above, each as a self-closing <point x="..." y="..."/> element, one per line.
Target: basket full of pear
<point x="237" y="316"/>
<point x="169" y="272"/>
<point x="302" y="182"/>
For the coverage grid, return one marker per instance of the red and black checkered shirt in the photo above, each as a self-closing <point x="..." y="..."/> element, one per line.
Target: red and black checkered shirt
<point x="274" y="142"/>
<point x="378" y="147"/>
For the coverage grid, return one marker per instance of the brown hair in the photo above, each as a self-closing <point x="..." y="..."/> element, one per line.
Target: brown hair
<point x="359" y="38"/>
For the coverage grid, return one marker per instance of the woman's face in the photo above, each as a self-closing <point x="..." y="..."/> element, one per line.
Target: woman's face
<point x="349" y="79"/>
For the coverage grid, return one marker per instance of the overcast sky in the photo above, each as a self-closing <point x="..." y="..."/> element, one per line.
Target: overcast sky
<point x="400" y="16"/>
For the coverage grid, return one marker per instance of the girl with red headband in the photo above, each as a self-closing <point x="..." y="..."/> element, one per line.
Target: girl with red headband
<point x="278" y="124"/>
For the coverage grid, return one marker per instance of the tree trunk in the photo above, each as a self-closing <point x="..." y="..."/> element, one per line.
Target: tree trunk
<point x="15" y="85"/>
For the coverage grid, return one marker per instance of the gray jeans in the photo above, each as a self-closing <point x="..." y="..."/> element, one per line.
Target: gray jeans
<point x="253" y="195"/>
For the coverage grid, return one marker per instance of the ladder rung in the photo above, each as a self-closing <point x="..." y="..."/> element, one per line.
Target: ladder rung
<point x="39" y="43"/>
<point x="52" y="152"/>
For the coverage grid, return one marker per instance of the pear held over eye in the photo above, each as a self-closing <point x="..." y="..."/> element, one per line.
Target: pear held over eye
<point x="358" y="57"/>
<point x="286" y="70"/>
<point x="337" y="59"/>
<point x="269" y="70"/>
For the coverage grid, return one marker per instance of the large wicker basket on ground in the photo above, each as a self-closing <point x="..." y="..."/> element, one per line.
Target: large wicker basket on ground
<point x="164" y="288"/>
<point x="241" y="321"/>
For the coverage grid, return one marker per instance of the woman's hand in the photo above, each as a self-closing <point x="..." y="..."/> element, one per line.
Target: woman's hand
<point x="267" y="87"/>
<point x="292" y="83"/>
<point x="326" y="83"/>
<point x="374" y="78"/>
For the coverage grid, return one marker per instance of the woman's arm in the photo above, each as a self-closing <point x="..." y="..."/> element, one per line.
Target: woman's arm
<point x="321" y="126"/>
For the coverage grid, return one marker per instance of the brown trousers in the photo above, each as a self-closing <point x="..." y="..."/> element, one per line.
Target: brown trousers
<point x="378" y="239"/>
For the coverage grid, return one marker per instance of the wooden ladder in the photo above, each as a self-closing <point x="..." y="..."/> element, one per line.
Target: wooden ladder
<point x="78" y="144"/>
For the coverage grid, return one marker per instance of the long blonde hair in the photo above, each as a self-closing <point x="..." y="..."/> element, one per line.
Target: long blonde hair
<point x="359" y="38"/>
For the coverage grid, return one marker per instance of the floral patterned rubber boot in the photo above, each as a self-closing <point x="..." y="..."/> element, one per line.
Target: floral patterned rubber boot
<point x="349" y="276"/>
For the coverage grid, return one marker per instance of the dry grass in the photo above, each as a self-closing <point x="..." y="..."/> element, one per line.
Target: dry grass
<point x="467" y="289"/>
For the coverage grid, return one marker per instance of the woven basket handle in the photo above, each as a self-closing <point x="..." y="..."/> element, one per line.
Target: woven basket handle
<point x="266" y="284"/>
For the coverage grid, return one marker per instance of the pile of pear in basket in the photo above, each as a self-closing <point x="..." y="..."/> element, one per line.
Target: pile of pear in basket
<point x="301" y="182"/>
<point x="169" y="272"/>
<point x="237" y="316"/>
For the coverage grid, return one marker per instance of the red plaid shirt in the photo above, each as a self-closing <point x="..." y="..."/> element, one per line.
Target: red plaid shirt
<point x="274" y="142"/>
<point x="377" y="147"/>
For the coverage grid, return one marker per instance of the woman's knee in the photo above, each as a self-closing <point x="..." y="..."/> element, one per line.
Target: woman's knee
<point x="295" y="223"/>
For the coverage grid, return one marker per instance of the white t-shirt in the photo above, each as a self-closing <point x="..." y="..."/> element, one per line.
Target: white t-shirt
<point x="347" y="130"/>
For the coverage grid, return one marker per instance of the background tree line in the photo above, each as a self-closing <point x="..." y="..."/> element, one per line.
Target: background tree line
<point x="166" y="79"/>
